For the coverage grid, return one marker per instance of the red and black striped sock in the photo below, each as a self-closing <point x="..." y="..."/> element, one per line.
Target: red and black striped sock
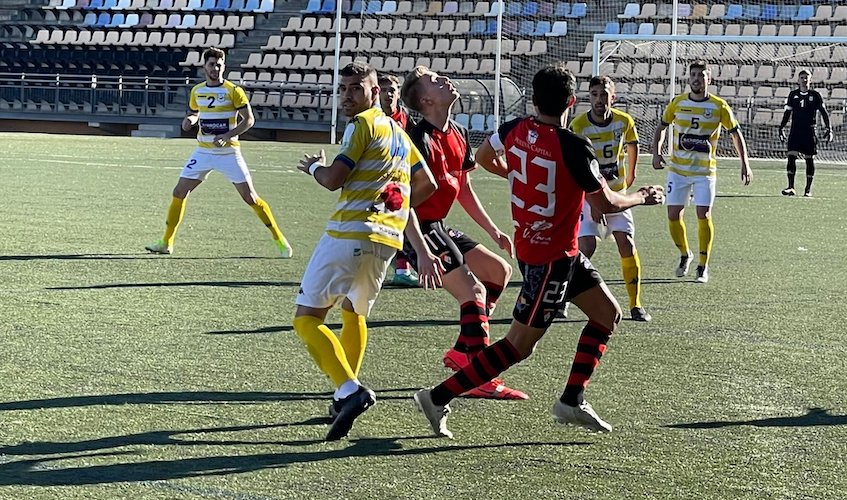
<point x="492" y="295"/>
<point x="589" y="350"/>
<point x="473" y="327"/>
<point x="490" y="362"/>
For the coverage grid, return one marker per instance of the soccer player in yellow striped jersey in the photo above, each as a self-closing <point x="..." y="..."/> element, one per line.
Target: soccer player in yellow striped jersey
<point x="223" y="112"/>
<point x="613" y="135"/>
<point x="697" y="118"/>
<point x="381" y="175"/>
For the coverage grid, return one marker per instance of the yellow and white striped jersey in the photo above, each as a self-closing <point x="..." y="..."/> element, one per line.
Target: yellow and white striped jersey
<point x="696" y="129"/>
<point x="374" y="201"/>
<point x="608" y="140"/>
<point x="217" y="107"/>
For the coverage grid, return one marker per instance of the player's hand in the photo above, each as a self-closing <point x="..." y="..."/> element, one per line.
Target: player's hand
<point x="598" y="216"/>
<point x="221" y="140"/>
<point x="430" y="270"/>
<point x="503" y="242"/>
<point x="782" y="135"/>
<point x="828" y="137"/>
<point x="658" y="162"/>
<point x="187" y="124"/>
<point x="309" y="160"/>
<point x="746" y="175"/>
<point x="653" y="195"/>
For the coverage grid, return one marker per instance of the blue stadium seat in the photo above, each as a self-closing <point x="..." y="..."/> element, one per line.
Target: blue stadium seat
<point x="117" y="20"/>
<point x="208" y="5"/>
<point x="313" y="7"/>
<point x="328" y="7"/>
<point x="477" y="123"/>
<point x="646" y="29"/>
<point x="579" y="10"/>
<point x="251" y="5"/>
<point x="559" y="28"/>
<point x="514" y="8"/>
<point x="265" y="6"/>
<point x="530" y="9"/>
<point x="110" y="4"/>
<point x="804" y="13"/>
<point x="527" y="28"/>
<point x="563" y="9"/>
<point x="95" y="4"/>
<point x="188" y="21"/>
<point x="477" y="27"/>
<point x="221" y="5"/>
<point x="734" y="11"/>
<point x="631" y="10"/>
<point x="491" y="28"/>
<point x="752" y="12"/>
<point x="373" y="6"/>
<point x="238" y="5"/>
<point x="769" y="12"/>
<point x="357" y="7"/>
<point x="90" y="19"/>
<point x="629" y="29"/>
<point x="103" y="19"/>
<point x="389" y="7"/>
<point x="463" y="119"/>
<point x="494" y="10"/>
<point x="542" y="28"/>
<point x="510" y="26"/>
<point x="787" y="12"/>
<point x="130" y="21"/>
<point x="612" y="28"/>
<point x="684" y="10"/>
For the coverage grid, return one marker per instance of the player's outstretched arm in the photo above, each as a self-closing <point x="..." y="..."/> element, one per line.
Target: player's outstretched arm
<point x="488" y="158"/>
<point x="430" y="268"/>
<point x="658" y="144"/>
<point x="741" y="148"/>
<point x="608" y="201"/>
<point x="331" y="177"/>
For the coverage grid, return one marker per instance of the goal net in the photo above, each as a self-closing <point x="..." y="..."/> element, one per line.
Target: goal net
<point x="753" y="73"/>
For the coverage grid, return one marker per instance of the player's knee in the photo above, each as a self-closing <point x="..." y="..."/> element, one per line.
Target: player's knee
<point x="181" y="192"/>
<point x="611" y="317"/>
<point x="478" y="290"/>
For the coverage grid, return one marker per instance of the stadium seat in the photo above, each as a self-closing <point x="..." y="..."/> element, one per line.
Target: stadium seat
<point x="629" y="29"/>
<point x="477" y="123"/>
<point x="578" y="11"/>
<point x="769" y="12"/>
<point x="103" y="19"/>
<point x="313" y="7"/>
<point x="265" y="7"/>
<point x="646" y="29"/>
<point x="117" y="20"/>
<point x="389" y="7"/>
<point x="733" y="12"/>
<point x="542" y="28"/>
<point x="327" y="7"/>
<point x="563" y="9"/>
<point x="612" y="28"/>
<point x="188" y="21"/>
<point x="823" y="14"/>
<point x="750" y="30"/>
<point x="648" y="11"/>
<point x="631" y="10"/>
<point x="840" y="14"/>
<point x="684" y="11"/>
<point x="804" y="13"/>
<point x="373" y="6"/>
<point x="752" y="12"/>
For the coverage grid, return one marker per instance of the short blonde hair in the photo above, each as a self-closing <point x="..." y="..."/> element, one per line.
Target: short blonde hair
<point x="410" y="91"/>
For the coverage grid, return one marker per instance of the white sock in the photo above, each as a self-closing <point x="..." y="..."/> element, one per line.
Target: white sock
<point x="346" y="389"/>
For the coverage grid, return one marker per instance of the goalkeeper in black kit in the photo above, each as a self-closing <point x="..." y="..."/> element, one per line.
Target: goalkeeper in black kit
<point x="802" y="108"/>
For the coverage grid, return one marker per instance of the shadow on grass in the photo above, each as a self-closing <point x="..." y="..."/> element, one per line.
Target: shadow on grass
<point x="45" y="472"/>
<point x="813" y="418"/>
<point x="215" y="284"/>
<point x="121" y="256"/>
<point x="203" y="397"/>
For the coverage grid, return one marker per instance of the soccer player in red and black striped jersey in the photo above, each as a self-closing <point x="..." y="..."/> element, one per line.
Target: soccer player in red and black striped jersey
<point x="473" y="274"/>
<point x="389" y="101"/>
<point x="551" y="171"/>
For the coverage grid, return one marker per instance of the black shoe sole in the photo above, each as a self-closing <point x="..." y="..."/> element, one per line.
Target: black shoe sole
<point x="349" y="412"/>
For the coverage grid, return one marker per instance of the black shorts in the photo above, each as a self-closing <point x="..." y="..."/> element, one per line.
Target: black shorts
<point x="447" y="244"/>
<point x="803" y="141"/>
<point x="547" y="287"/>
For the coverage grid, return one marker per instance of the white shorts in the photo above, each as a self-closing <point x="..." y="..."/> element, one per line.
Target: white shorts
<point x="679" y="188"/>
<point x="341" y="268"/>
<point x="231" y="164"/>
<point x="620" y="221"/>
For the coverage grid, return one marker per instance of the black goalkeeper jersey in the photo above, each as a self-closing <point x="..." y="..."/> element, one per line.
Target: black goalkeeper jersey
<point x="804" y="107"/>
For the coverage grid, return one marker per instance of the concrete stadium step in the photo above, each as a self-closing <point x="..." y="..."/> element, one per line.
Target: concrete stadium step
<point x="160" y="131"/>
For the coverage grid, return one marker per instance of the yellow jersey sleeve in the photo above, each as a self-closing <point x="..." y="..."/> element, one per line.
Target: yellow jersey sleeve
<point x="357" y="137"/>
<point x="416" y="159"/>
<point x="670" y="112"/>
<point x="239" y="98"/>
<point x="192" y="100"/>
<point x="630" y="134"/>
<point x="728" y="120"/>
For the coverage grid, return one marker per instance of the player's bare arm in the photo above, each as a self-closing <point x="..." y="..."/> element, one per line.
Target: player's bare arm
<point x="741" y="148"/>
<point x="658" y="144"/>
<point x="331" y="177"/>
<point x="190" y="121"/>
<point x="430" y="268"/>
<point x="608" y="201"/>
<point x="487" y="157"/>
<point x="828" y="136"/>
<point x="632" y="164"/>
<point x="785" y="117"/>
<point x="470" y="203"/>
<point x="423" y="185"/>
<point x="246" y="120"/>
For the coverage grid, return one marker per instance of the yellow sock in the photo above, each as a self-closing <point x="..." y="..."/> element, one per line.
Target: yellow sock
<point x="325" y="348"/>
<point x="706" y="234"/>
<point x="175" y="213"/>
<point x="354" y="338"/>
<point x="263" y="211"/>
<point x="677" y="228"/>
<point x="632" y="279"/>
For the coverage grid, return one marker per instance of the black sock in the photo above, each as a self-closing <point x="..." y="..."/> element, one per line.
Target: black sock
<point x="792" y="169"/>
<point x="810" y="173"/>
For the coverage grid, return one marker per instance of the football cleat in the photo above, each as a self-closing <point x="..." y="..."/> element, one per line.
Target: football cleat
<point x="351" y="407"/>
<point x="684" y="264"/>
<point x="640" y="314"/>
<point x="495" y="389"/>
<point x="285" y="249"/>
<point x="456" y="360"/>
<point x="789" y="192"/>
<point x="436" y="415"/>
<point x="702" y="274"/>
<point x="405" y="280"/>
<point x="334" y="408"/>
<point x="807" y="194"/>
<point x="582" y="415"/>
<point x="159" y="247"/>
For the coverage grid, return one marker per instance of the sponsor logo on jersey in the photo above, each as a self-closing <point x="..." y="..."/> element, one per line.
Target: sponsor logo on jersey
<point x="532" y="137"/>
<point x="707" y="113"/>
<point x="214" y="127"/>
<point x="693" y="142"/>
<point x="541" y="225"/>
